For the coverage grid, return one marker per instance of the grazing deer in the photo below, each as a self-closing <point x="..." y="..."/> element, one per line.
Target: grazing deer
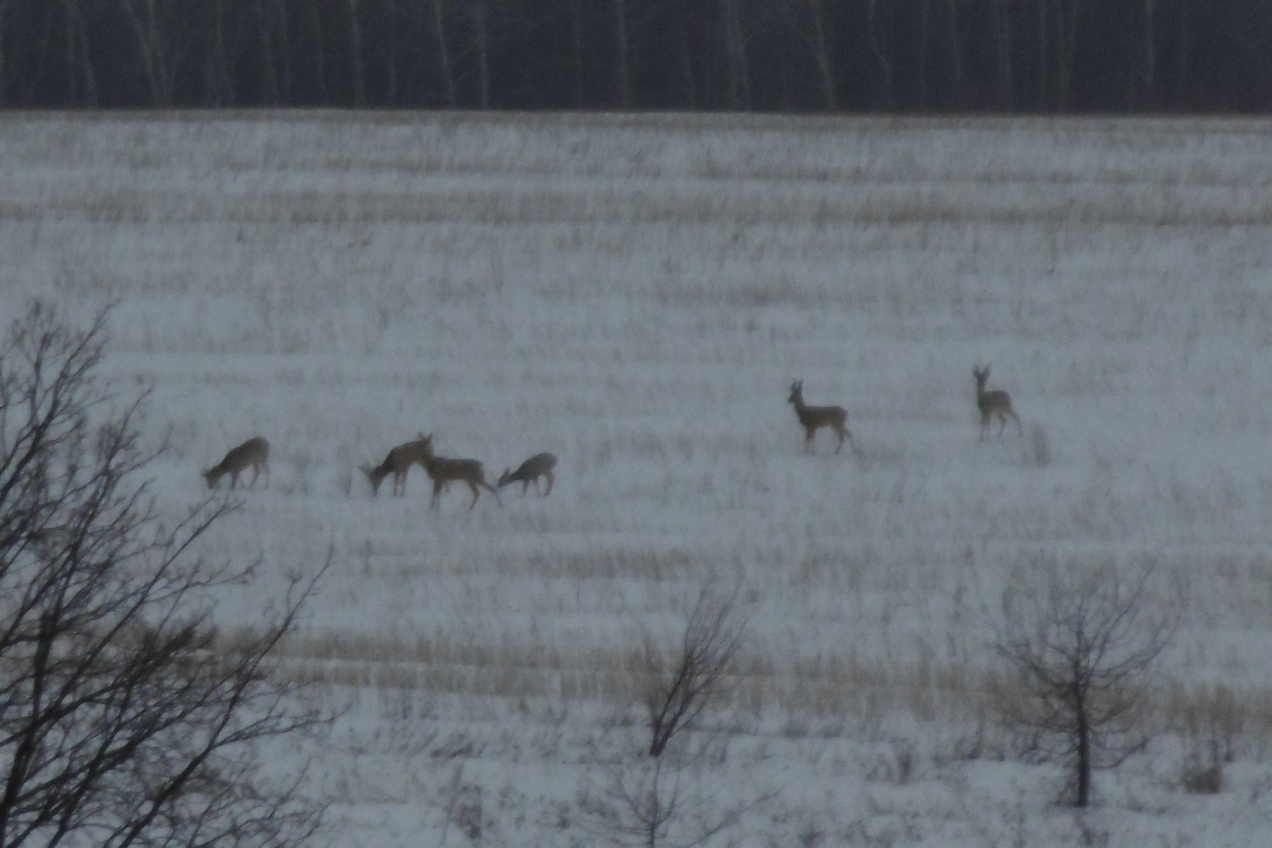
<point x="539" y="465"/>
<point x="253" y="453"/>
<point x="815" y="417"/>
<point x="443" y="471"/>
<point x="996" y="402"/>
<point x="397" y="463"/>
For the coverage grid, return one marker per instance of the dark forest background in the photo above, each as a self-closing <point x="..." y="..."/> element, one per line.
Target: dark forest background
<point x="766" y="55"/>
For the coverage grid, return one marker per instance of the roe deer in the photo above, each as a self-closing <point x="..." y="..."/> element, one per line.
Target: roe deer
<point x="443" y="471"/>
<point x="816" y="417"/>
<point x="539" y="465"/>
<point x="253" y="453"/>
<point x="397" y="463"/>
<point x="996" y="402"/>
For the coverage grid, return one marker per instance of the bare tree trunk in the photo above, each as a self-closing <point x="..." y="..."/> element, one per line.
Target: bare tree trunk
<point x="269" y="60"/>
<point x="1067" y="42"/>
<point x="483" y="52"/>
<point x="4" y="57"/>
<point x="821" y="52"/>
<point x="692" y="94"/>
<point x="1082" y="733"/>
<point x="357" y="70"/>
<point x="283" y="59"/>
<point x="1148" y="76"/>
<point x="443" y="53"/>
<point x="1183" y="52"/>
<point x="882" y="50"/>
<point x="158" y="69"/>
<point x="622" y="48"/>
<point x="955" y="47"/>
<point x="319" y="52"/>
<point x="1044" y="68"/>
<point x="79" y="63"/>
<point x="1002" y="55"/>
<point x="40" y="49"/>
<point x="217" y="73"/>
<point x="576" y="52"/>
<point x="925" y="37"/>
<point x="739" y="83"/>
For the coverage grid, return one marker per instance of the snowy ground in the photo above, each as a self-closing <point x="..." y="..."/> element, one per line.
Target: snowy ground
<point x="636" y="294"/>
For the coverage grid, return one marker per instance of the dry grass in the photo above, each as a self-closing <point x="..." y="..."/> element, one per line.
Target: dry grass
<point x="805" y="690"/>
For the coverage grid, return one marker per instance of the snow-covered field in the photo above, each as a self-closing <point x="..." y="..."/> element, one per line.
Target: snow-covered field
<point x="636" y="294"/>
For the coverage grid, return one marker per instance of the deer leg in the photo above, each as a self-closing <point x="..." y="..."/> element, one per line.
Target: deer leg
<point x="437" y="494"/>
<point x="847" y="434"/>
<point x="549" y="491"/>
<point x="493" y="491"/>
<point x="476" y="493"/>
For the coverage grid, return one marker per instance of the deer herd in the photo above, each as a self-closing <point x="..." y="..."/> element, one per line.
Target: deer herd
<point x="254" y="453"/>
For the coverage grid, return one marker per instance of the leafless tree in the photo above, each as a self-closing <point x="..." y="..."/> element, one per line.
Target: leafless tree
<point x="622" y="53"/>
<point x="1067" y="16"/>
<point x="124" y="718"/>
<point x="1003" y="49"/>
<point x="445" y="66"/>
<point x="357" y="53"/>
<point x="953" y="47"/>
<point x="158" y="34"/>
<point x="881" y="26"/>
<point x="811" y="22"/>
<point x="1079" y="640"/>
<point x="656" y="803"/>
<point x="685" y="681"/>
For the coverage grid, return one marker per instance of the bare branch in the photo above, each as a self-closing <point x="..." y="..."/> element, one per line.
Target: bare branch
<point x="695" y="676"/>
<point x="123" y="721"/>
<point x="1080" y="638"/>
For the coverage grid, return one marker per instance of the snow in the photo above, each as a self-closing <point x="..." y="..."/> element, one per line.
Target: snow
<point x="636" y="294"/>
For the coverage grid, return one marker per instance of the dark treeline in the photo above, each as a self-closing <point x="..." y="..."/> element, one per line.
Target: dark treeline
<point x="770" y="55"/>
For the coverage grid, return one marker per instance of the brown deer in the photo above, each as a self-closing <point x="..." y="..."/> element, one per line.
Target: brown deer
<point x="443" y="471"/>
<point x="397" y="463"/>
<point x="253" y="453"/>
<point x="991" y="403"/>
<point x="814" y="418"/>
<point x="539" y="465"/>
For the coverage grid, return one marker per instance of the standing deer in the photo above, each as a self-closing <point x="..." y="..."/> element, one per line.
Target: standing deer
<point x="253" y="453"/>
<point x="539" y="465"/>
<point x="991" y="403"/>
<point x="815" y="417"/>
<point x="397" y="463"/>
<point x="443" y="471"/>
